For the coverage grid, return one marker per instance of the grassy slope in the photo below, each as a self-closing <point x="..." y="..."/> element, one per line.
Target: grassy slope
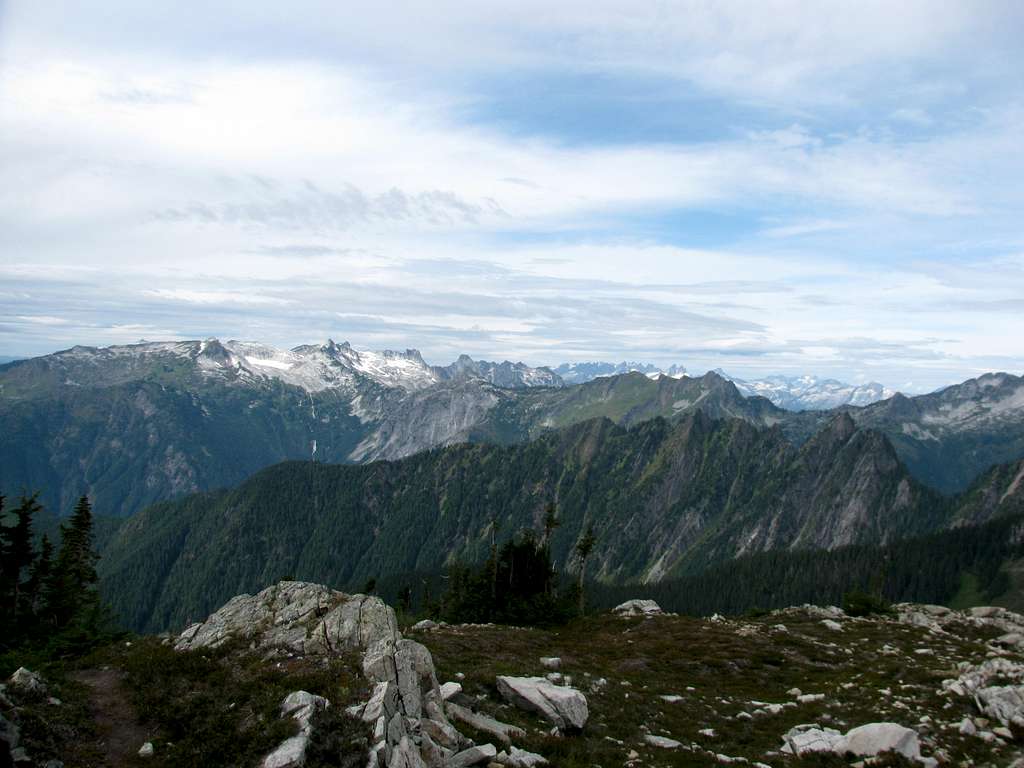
<point x="719" y="668"/>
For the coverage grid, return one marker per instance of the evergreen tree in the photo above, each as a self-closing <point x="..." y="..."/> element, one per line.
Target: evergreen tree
<point x="74" y="575"/>
<point x="40" y="580"/>
<point x="18" y="556"/>
<point x="551" y="522"/>
<point x="583" y="549"/>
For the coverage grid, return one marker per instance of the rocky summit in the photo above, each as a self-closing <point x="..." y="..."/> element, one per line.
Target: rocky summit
<point x="406" y="709"/>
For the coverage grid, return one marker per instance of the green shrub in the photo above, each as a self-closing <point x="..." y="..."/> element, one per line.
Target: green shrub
<point x="858" y="603"/>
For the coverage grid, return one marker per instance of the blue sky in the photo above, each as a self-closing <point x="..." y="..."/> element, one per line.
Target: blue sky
<point x="770" y="187"/>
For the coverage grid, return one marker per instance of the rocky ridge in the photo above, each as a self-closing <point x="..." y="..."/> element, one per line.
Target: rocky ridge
<point x="406" y="710"/>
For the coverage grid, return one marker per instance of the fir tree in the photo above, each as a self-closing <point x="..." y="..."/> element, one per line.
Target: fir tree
<point x="40" y="580"/>
<point x="583" y="549"/>
<point x="18" y="555"/>
<point x="551" y="522"/>
<point x="74" y="576"/>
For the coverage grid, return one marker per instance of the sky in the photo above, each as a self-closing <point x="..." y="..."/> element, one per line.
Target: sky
<point x="770" y="187"/>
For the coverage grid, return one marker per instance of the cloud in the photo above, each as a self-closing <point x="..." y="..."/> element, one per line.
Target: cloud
<point x="718" y="184"/>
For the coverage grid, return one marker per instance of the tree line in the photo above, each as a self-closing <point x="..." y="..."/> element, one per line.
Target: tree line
<point x="48" y="592"/>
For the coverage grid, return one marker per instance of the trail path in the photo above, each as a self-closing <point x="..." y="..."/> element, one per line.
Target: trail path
<point x="120" y="734"/>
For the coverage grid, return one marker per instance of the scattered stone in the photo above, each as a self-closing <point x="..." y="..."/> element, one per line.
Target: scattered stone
<point x="810" y="738"/>
<point x="835" y="626"/>
<point x="810" y="698"/>
<point x="472" y="756"/>
<point x="638" y="608"/>
<point x="874" y="738"/>
<point x="26" y="681"/>
<point x="290" y="753"/>
<point x="481" y="722"/>
<point x="708" y="732"/>
<point x="448" y="690"/>
<point x="550" y="662"/>
<point x="564" y="707"/>
<point x="422" y="626"/>
<point x="662" y="742"/>
<point x="520" y="758"/>
<point x="794" y="692"/>
<point x="146" y="750"/>
<point x="671" y="698"/>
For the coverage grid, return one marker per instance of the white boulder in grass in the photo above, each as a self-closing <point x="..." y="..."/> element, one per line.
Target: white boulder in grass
<point x="519" y="758"/>
<point x="562" y="706"/>
<point x="450" y="689"/>
<point x="807" y="739"/>
<point x="875" y="738"/>
<point x="662" y="742"/>
<point x="638" y="608"/>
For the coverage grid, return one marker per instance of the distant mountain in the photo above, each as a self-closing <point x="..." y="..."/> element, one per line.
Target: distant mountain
<point x="580" y="373"/>
<point x="137" y="424"/>
<point x="809" y="393"/>
<point x="794" y="393"/>
<point x="948" y="438"/>
<point x="8" y="359"/>
<point x="130" y="425"/>
<point x="665" y="499"/>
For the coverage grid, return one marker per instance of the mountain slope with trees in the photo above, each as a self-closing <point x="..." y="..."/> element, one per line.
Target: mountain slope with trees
<point x="664" y="500"/>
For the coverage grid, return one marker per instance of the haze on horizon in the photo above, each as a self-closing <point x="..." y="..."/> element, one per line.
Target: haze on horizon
<point x="772" y="187"/>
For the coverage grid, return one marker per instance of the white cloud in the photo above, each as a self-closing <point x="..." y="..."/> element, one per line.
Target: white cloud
<point x="194" y="174"/>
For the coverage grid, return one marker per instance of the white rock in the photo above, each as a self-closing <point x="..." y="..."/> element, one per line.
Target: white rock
<point x="27" y="681"/>
<point x="146" y="750"/>
<point x="481" y="722"/>
<point x="450" y="689"/>
<point x="662" y="742"/>
<point x="562" y="706"/>
<point x="874" y="738"/>
<point x="835" y="626"/>
<point x="290" y="753"/>
<point x="301" y="706"/>
<point x="638" y="608"/>
<point x="810" y="698"/>
<point x="807" y="739"/>
<point x="422" y="626"/>
<point x="550" y="662"/>
<point x="708" y="732"/>
<point x="520" y="758"/>
<point x="472" y="756"/>
<point x="383" y="702"/>
<point x="671" y="698"/>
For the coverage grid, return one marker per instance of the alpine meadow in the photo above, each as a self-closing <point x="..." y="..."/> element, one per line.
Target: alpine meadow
<point x="511" y="385"/>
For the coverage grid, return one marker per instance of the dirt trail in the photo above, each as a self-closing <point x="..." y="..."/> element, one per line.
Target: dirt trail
<point x="120" y="734"/>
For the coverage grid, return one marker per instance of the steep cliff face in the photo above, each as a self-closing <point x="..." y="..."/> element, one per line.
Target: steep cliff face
<point x="948" y="438"/>
<point x="1000" y="491"/>
<point x="664" y="498"/>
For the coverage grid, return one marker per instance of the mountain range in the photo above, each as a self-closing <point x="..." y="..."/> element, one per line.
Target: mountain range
<point x="794" y="393"/>
<point x="665" y="499"/>
<point x="138" y="424"/>
<point x="809" y="393"/>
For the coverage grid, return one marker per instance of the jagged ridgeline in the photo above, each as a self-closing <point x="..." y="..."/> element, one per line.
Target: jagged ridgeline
<point x="133" y="425"/>
<point x="666" y="499"/>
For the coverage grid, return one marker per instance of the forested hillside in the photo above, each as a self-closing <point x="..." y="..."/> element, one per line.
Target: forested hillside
<point x="665" y="499"/>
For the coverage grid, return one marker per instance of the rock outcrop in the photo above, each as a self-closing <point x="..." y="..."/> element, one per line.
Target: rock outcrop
<point x="863" y="741"/>
<point x="407" y="710"/>
<point x="562" y="706"/>
<point x="638" y="608"/>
